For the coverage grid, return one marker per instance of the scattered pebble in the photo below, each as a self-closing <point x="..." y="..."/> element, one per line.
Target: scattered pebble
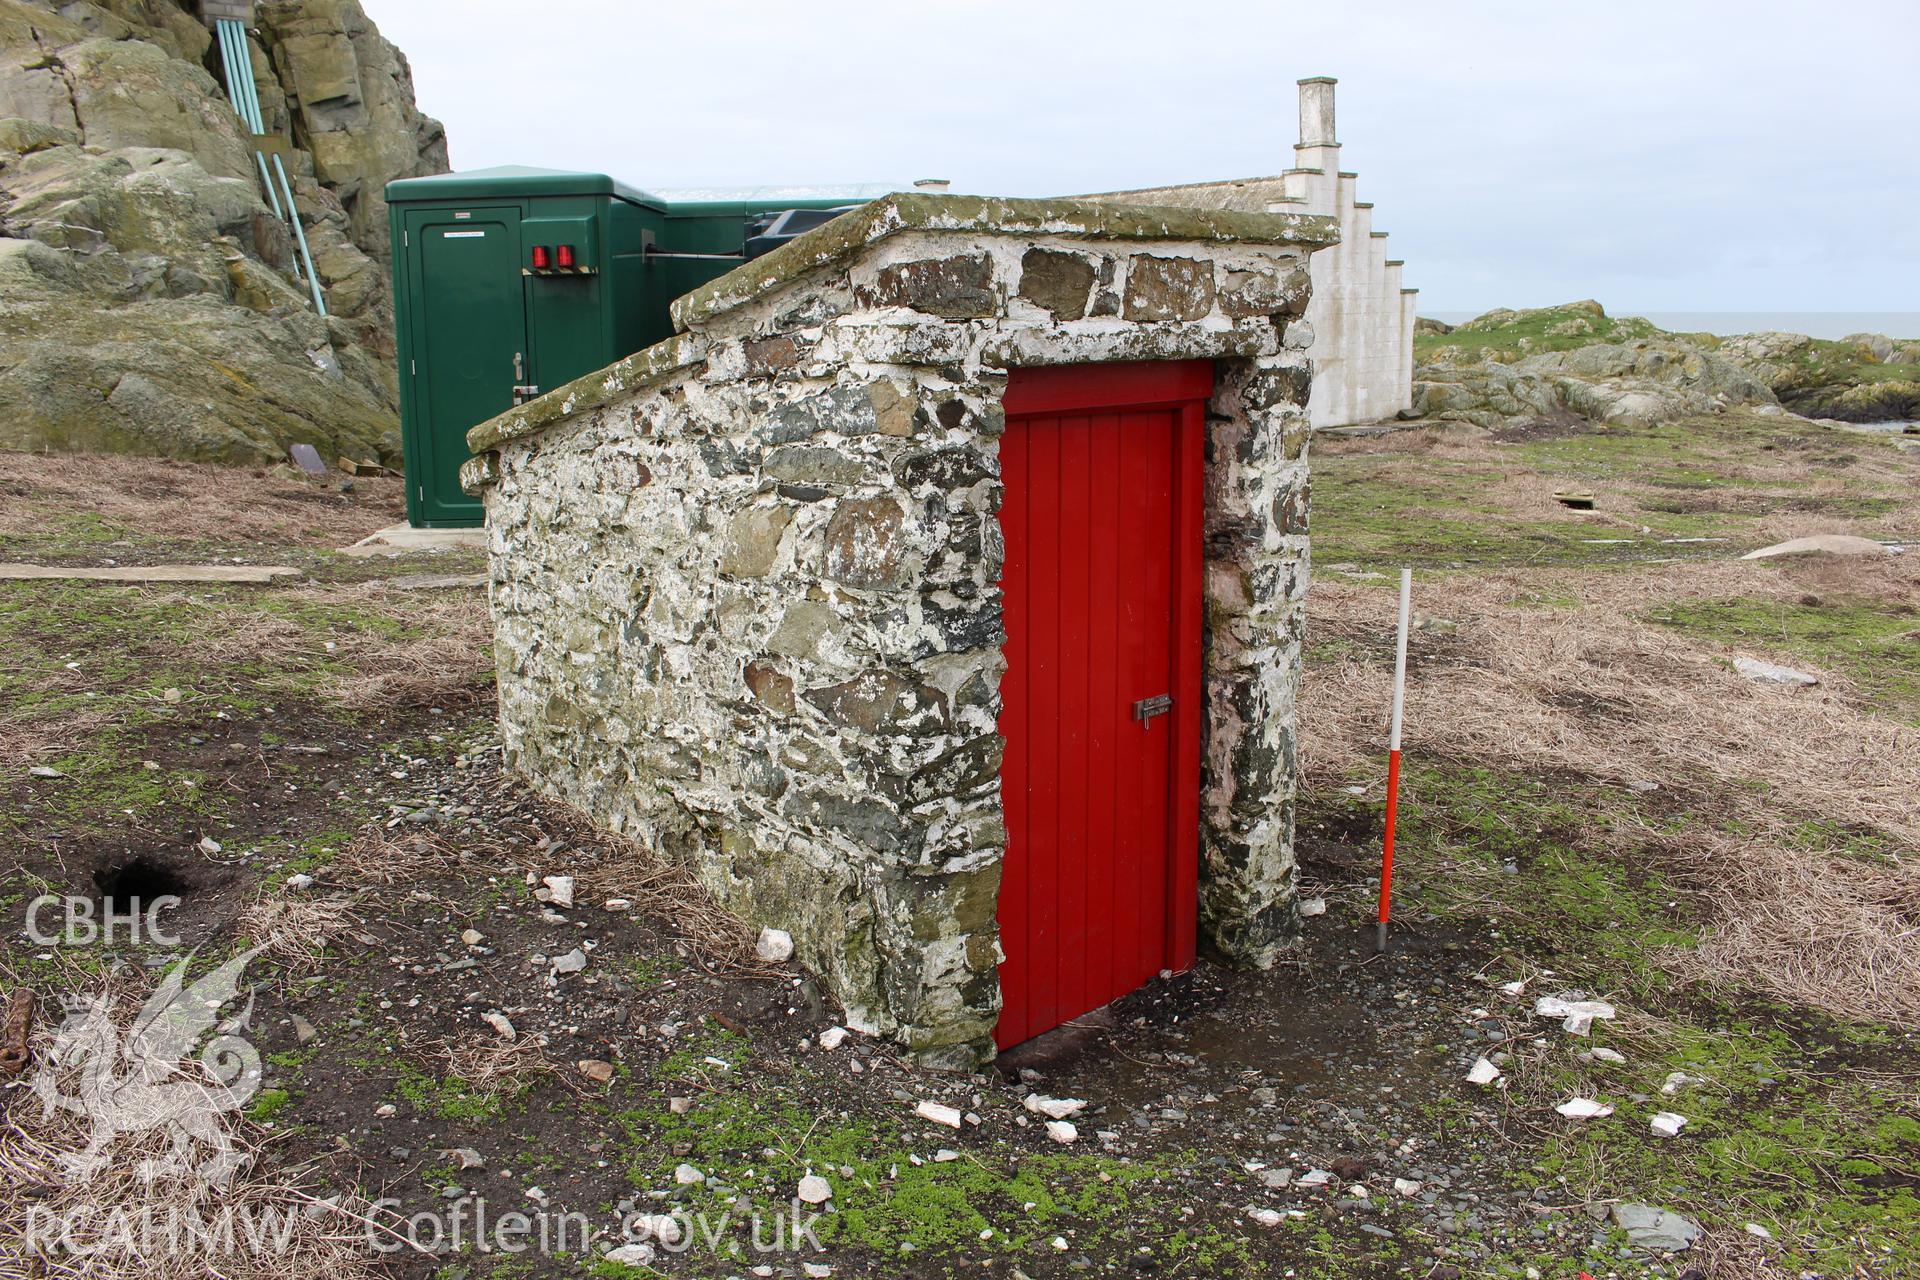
<point x="938" y="1113"/>
<point x="1062" y="1131"/>
<point x="833" y="1037"/>
<point x="814" y="1189"/>
<point x="686" y="1175"/>
<point x="1584" y="1109"/>
<point x="596" y="1069"/>
<point x="1667" y="1124"/>
<point x="1054" y="1108"/>
<point x="775" y="946"/>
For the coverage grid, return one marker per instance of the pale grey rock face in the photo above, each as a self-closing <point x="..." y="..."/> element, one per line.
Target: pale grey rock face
<point x="1638" y="382"/>
<point x="746" y="601"/>
<point x="173" y="323"/>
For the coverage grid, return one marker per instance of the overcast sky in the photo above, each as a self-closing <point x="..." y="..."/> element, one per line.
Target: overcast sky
<point x="1686" y="155"/>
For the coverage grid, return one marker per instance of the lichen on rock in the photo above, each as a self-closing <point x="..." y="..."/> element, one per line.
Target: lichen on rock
<point x="167" y="318"/>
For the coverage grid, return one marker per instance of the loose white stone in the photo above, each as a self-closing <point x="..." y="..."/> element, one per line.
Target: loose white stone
<point x="1608" y="1055"/>
<point x="299" y="881"/>
<point x="1061" y="1131"/>
<point x="1310" y="907"/>
<point x="208" y="845"/>
<point x="833" y="1037"/>
<point x="1265" y="1217"/>
<point x="775" y="946"/>
<point x="1773" y="672"/>
<point x="472" y="937"/>
<point x="1667" y="1124"/>
<point x="1577" y="1015"/>
<point x="1483" y="1072"/>
<point x="559" y="890"/>
<point x="498" y="1021"/>
<point x="572" y="962"/>
<point x="47" y="771"/>
<point x="663" y="1227"/>
<point x="1314" y="1178"/>
<point x="686" y="1175"/>
<point x="938" y="1113"/>
<point x="1054" y="1108"/>
<point x="632" y="1255"/>
<point x="816" y="1270"/>
<point x="1755" y="1229"/>
<point x="1584" y="1109"/>
<point x="1407" y="1187"/>
<point x="815" y="1189"/>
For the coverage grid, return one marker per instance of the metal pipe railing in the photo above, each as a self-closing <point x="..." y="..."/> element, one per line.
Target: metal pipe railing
<point x="237" y="61"/>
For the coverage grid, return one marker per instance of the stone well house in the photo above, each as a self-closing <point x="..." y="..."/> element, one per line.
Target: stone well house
<point x="936" y="594"/>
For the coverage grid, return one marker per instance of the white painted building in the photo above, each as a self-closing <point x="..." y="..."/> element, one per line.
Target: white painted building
<point x="1362" y="317"/>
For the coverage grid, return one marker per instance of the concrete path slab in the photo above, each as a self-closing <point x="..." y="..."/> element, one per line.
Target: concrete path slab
<point x="434" y="581"/>
<point x="399" y="539"/>
<point x="150" y="572"/>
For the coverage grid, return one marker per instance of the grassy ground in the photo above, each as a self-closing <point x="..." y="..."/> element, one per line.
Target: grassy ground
<point x="1595" y="802"/>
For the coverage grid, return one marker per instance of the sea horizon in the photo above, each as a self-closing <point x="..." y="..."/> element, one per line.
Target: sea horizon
<point x="1904" y="325"/>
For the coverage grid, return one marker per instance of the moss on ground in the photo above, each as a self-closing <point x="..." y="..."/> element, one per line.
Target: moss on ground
<point x="1873" y="643"/>
<point x="1708" y="480"/>
<point x="1789" y="1123"/>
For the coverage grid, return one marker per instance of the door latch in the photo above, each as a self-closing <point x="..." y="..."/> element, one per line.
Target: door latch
<point x="522" y="394"/>
<point x="519" y="366"/>
<point x="1147" y="708"/>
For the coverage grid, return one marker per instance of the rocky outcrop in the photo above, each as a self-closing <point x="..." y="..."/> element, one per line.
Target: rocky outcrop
<point x="148" y="296"/>
<point x="1639" y="382"/>
<point x="1577" y="361"/>
<point x="1864" y="377"/>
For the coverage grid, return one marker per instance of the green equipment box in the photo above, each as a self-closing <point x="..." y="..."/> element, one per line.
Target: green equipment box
<point x="512" y="281"/>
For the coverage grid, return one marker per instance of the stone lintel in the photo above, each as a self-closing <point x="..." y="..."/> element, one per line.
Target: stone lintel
<point x="845" y="236"/>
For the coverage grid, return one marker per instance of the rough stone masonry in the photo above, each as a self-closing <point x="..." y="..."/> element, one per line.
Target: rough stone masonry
<point x="744" y="581"/>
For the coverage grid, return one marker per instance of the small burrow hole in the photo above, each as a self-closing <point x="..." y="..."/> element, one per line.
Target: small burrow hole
<point x="130" y="886"/>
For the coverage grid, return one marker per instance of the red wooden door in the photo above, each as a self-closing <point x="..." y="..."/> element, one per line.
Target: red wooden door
<point x="1102" y="466"/>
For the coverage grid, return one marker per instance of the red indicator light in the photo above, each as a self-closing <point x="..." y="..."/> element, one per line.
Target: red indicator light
<point x="541" y="259"/>
<point x="565" y="252"/>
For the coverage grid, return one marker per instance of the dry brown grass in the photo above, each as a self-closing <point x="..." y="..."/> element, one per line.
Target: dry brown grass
<point x="1593" y="692"/>
<point x="604" y="866"/>
<point x="297" y="930"/>
<point x="189" y="501"/>
<point x="326" y="1231"/>
<point x="490" y="1068"/>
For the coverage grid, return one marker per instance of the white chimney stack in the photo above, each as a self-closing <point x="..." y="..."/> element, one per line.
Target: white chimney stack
<point x="1316" y="112"/>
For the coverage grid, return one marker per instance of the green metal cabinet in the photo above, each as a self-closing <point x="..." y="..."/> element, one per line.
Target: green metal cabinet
<point x="481" y="324"/>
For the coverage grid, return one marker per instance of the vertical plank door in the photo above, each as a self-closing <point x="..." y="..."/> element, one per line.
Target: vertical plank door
<point x="1101" y="701"/>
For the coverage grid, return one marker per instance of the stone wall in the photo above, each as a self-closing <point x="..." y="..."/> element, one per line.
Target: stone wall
<point x="745" y="581"/>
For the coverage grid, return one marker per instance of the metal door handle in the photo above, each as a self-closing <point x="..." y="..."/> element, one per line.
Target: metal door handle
<point x="1147" y="708"/>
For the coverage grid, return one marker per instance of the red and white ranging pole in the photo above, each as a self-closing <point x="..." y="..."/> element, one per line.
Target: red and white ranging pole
<point x="1393" y="758"/>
